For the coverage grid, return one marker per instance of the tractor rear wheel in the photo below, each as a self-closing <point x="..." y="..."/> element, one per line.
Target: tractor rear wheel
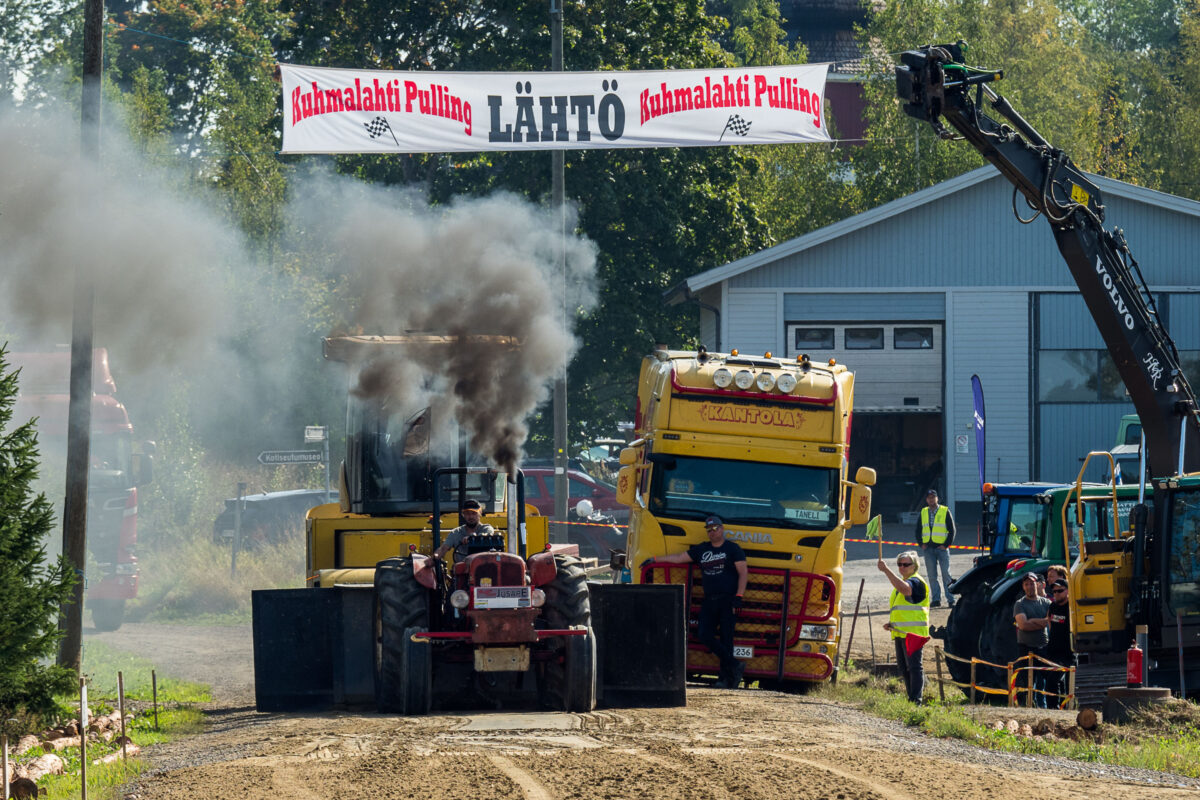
<point x="567" y="601"/>
<point x="998" y="644"/>
<point x="963" y="630"/>
<point x="570" y="680"/>
<point x="400" y="603"/>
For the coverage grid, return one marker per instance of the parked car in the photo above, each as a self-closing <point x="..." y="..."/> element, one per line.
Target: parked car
<point x="268" y="518"/>
<point x="539" y="492"/>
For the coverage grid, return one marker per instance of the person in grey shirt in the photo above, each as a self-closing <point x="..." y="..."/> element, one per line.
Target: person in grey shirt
<point x="459" y="539"/>
<point x="1030" y="616"/>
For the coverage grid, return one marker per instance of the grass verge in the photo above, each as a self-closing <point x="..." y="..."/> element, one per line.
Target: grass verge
<point x="1166" y="739"/>
<point x="177" y="716"/>
<point x="194" y="583"/>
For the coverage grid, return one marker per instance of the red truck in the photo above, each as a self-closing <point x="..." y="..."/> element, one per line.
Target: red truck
<point x="118" y="468"/>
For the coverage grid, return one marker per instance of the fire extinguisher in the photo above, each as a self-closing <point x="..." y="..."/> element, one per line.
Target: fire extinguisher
<point x="1133" y="666"/>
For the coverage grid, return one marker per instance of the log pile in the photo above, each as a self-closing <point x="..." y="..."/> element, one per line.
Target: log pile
<point x="1085" y="727"/>
<point x="105" y="728"/>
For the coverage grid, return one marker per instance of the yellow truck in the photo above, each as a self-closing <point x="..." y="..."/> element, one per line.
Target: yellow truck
<point x="761" y="442"/>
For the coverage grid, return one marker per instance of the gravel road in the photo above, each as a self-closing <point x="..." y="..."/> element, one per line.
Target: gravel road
<point x="747" y="744"/>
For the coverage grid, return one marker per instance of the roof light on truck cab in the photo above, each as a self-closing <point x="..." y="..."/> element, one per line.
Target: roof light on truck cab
<point x="833" y="362"/>
<point x="767" y="354"/>
<point x="786" y="383"/>
<point x="989" y="488"/>
<point x="765" y="381"/>
<point x="744" y="379"/>
<point x="733" y="352"/>
<point x="722" y="378"/>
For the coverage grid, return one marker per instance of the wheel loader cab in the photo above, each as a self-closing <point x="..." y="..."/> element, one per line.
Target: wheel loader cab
<point x="392" y="452"/>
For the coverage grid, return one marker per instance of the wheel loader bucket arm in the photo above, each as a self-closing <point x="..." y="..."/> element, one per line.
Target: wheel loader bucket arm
<point x="937" y="86"/>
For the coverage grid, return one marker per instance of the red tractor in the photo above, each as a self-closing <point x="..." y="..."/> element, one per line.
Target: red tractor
<point x="491" y="626"/>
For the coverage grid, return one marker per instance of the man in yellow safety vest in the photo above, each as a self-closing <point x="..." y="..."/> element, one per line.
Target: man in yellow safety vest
<point x="908" y="620"/>
<point x="935" y="534"/>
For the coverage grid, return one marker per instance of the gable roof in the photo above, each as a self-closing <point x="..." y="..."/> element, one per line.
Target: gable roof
<point x="940" y="191"/>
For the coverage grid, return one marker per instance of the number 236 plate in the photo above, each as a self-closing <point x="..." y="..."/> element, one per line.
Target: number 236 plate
<point x="743" y="651"/>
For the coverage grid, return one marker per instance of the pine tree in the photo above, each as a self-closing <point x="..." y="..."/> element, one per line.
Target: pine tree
<point x="31" y="589"/>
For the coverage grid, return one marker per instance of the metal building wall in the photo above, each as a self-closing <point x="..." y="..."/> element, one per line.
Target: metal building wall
<point x="863" y="305"/>
<point x="987" y="334"/>
<point x="1066" y="432"/>
<point x="960" y="241"/>
<point x="970" y="239"/>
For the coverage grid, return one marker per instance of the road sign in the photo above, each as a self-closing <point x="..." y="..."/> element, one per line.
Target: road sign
<point x="314" y="433"/>
<point x="271" y="457"/>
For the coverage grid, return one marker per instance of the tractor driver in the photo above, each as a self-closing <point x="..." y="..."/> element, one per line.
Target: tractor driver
<point x="459" y="539"/>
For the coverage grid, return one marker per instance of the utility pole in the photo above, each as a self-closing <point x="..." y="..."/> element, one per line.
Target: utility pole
<point x="556" y="200"/>
<point x="79" y="414"/>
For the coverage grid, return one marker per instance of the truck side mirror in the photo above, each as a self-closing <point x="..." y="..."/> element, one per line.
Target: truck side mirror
<point x="627" y="485"/>
<point x="860" y="503"/>
<point x="628" y="456"/>
<point x="143" y="469"/>
<point x="865" y="476"/>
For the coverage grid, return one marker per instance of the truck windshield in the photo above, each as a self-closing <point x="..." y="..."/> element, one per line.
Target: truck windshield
<point x="745" y="492"/>
<point x="111" y="455"/>
<point x="1184" y="558"/>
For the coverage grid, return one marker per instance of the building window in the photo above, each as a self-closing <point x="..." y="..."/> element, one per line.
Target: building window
<point x="1189" y="362"/>
<point x="814" y="338"/>
<point x="913" y="339"/>
<point x="1078" y="376"/>
<point x="864" y="338"/>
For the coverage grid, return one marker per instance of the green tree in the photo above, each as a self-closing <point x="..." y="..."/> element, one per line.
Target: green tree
<point x="199" y="48"/>
<point x="31" y="589"/>
<point x="755" y="34"/>
<point x="1065" y="91"/>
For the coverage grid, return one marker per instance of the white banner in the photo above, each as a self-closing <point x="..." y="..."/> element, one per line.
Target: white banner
<point x="375" y="111"/>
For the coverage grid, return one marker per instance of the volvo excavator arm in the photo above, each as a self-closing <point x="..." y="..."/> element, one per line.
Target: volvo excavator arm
<point x="938" y="87"/>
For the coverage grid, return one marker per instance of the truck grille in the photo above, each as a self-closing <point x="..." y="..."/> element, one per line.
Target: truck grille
<point x="500" y="570"/>
<point x="777" y="602"/>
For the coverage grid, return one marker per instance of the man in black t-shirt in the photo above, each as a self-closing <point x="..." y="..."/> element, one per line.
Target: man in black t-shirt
<point x="1059" y="650"/>
<point x="723" y="576"/>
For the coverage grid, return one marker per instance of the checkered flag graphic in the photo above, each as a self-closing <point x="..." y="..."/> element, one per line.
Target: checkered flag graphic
<point x="377" y="126"/>
<point x="736" y="124"/>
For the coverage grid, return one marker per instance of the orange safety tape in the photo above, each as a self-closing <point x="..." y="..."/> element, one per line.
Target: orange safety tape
<point x="593" y="524"/>
<point x="913" y="544"/>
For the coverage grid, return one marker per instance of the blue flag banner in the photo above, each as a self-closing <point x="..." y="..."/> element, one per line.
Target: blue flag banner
<point x="977" y="390"/>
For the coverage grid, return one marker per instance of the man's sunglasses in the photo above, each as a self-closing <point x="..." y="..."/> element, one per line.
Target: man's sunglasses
<point x="1060" y="591"/>
<point x="904" y="563"/>
<point x="711" y="527"/>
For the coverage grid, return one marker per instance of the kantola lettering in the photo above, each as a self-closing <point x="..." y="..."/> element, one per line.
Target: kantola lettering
<point x="749" y="415"/>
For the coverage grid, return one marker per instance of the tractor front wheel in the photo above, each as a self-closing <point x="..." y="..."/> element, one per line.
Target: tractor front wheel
<point x="418" y="674"/>
<point x="579" y="668"/>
